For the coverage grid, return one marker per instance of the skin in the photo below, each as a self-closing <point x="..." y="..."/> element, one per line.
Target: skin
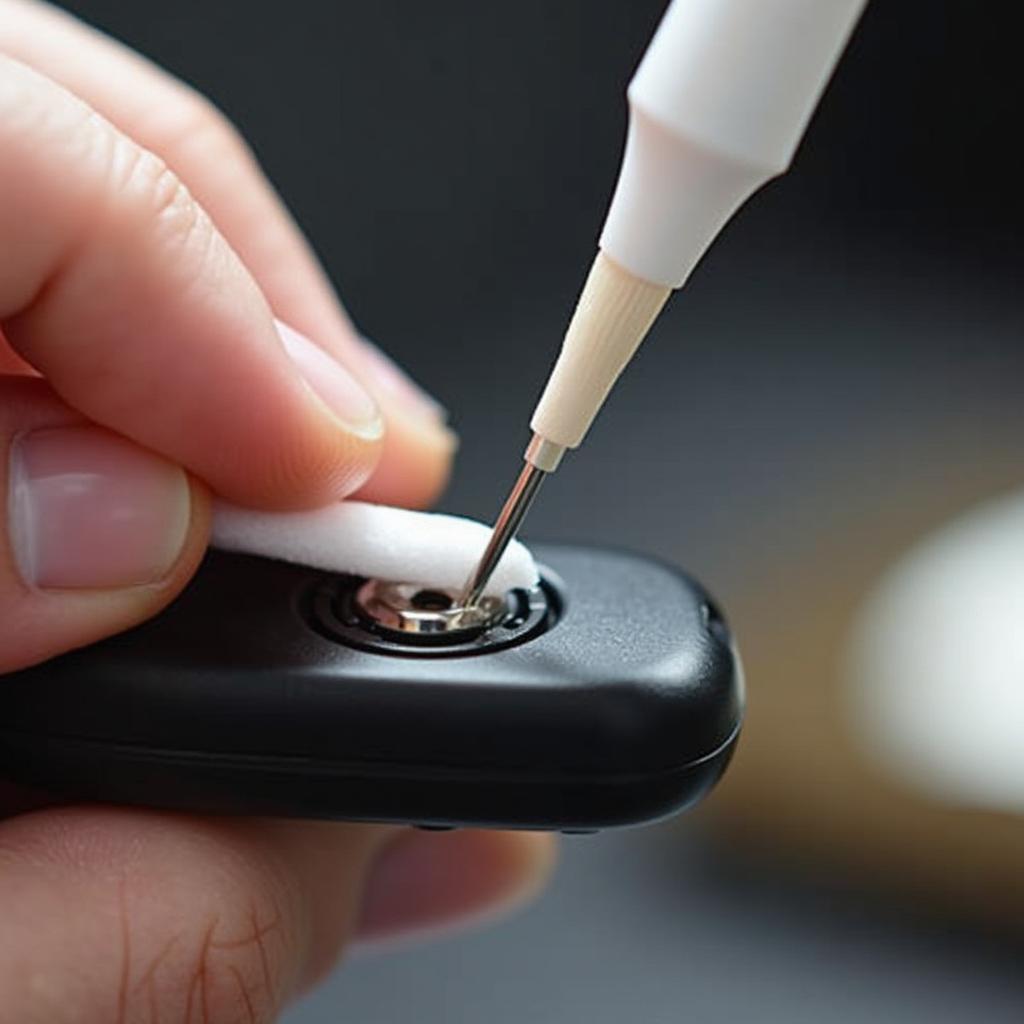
<point x="130" y="291"/>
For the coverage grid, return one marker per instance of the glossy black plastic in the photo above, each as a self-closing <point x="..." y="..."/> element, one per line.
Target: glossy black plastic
<point x="624" y="708"/>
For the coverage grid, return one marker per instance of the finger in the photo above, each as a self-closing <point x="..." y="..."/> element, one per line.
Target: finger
<point x="96" y="533"/>
<point x="429" y="882"/>
<point x="129" y="916"/>
<point x="126" y="298"/>
<point x="199" y="143"/>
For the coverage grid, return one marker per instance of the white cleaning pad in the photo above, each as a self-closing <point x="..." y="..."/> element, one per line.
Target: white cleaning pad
<point x="375" y="541"/>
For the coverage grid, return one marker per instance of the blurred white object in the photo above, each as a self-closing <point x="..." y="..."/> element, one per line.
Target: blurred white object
<point x="375" y="541"/>
<point x="936" y="662"/>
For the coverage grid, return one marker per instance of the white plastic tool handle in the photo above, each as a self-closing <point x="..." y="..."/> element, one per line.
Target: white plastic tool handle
<point x="717" y="107"/>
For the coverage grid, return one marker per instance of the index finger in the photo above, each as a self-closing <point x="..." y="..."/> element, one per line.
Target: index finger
<point x="200" y="145"/>
<point x="116" y="286"/>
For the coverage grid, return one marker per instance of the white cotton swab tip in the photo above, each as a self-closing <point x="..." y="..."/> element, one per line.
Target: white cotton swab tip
<point x="375" y="541"/>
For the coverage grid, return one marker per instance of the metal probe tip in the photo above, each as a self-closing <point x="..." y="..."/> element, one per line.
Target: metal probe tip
<point x="512" y="514"/>
<point x="542" y="457"/>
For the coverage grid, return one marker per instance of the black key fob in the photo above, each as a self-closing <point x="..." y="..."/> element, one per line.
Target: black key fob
<point x="609" y="695"/>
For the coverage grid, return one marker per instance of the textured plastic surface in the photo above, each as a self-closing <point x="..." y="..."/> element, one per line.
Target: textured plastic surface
<point x="236" y="700"/>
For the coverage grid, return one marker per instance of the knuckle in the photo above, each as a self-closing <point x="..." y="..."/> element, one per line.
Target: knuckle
<point x="146" y="185"/>
<point x="148" y="194"/>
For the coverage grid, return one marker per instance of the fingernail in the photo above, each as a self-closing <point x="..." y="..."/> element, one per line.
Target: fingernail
<point x="333" y="384"/>
<point x="90" y="510"/>
<point x="390" y="381"/>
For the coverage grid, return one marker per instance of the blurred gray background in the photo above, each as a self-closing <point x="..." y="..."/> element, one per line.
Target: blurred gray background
<point x="862" y="320"/>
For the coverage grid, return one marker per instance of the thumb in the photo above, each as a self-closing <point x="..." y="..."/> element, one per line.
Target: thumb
<point x="96" y="533"/>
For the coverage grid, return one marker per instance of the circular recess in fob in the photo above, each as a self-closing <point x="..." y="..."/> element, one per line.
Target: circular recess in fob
<point x="421" y="621"/>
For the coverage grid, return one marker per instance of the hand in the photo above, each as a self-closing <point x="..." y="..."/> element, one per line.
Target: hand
<point x="143" y="259"/>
